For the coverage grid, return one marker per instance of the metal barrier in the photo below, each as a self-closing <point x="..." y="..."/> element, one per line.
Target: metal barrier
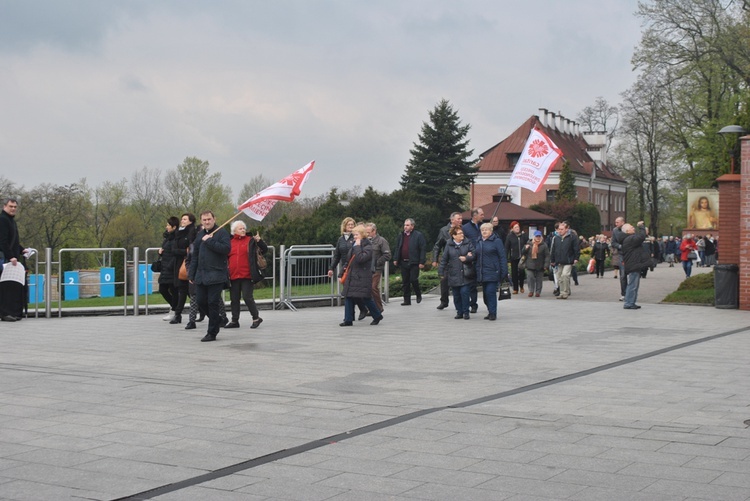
<point x="304" y="274"/>
<point x="60" y="271"/>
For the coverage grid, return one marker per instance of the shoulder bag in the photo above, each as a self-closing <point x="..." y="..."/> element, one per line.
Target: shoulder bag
<point x="343" y="277"/>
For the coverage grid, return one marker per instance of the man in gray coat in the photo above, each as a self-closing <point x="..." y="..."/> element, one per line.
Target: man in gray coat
<point x="381" y="254"/>
<point x="209" y="270"/>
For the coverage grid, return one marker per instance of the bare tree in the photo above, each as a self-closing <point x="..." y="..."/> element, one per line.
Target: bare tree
<point x="110" y="201"/>
<point x="147" y="195"/>
<point x="191" y="188"/>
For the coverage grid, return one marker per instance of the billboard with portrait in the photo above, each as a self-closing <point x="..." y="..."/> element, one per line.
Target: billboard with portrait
<point x="703" y="210"/>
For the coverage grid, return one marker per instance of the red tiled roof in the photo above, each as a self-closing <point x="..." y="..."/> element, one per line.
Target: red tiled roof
<point x="573" y="148"/>
<point x="511" y="212"/>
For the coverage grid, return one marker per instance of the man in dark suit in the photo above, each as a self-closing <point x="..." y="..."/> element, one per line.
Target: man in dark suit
<point x="410" y="253"/>
<point x="209" y="270"/>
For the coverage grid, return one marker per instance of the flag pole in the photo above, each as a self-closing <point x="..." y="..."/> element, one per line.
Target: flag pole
<point x="226" y="223"/>
<point x="497" y="207"/>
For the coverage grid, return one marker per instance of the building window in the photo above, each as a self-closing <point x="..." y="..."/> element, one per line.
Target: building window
<point x="551" y="195"/>
<point x="513" y="159"/>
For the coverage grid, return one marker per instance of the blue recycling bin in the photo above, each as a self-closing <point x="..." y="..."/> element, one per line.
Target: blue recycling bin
<point x="145" y="280"/>
<point x="71" y="285"/>
<point x="36" y="289"/>
<point x="107" y="282"/>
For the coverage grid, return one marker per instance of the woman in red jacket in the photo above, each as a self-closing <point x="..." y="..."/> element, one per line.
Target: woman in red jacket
<point x="244" y="272"/>
<point x="688" y="245"/>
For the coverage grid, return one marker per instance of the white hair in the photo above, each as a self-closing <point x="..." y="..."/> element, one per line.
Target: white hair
<point x="235" y="225"/>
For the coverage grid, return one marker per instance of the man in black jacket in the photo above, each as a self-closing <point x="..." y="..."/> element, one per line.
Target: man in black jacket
<point x="411" y="254"/>
<point x="12" y="298"/>
<point x="617" y="238"/>
<point x="564" y="255"/>
<point x="209" y="270"/>
<point x="635" y="258"/>
<point x="443" y="238"/>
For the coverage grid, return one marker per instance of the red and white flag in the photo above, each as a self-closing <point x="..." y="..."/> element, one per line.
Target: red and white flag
<point x="286" y="190"/>
<point x="537" y="159"/>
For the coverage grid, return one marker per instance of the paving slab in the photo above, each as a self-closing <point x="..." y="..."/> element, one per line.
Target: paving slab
<point x="573" y="399"/>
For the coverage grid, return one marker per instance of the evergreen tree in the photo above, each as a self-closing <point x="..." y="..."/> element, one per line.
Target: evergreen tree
<point x="566" y="190"/>
<point x="440" y="171"/>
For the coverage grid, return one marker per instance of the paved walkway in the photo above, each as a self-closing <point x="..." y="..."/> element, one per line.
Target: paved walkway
<point x="575" y="399"/>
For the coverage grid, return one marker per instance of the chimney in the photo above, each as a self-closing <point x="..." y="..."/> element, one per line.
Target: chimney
<point x="552" y="122"/>
<point x="543" y="116"/>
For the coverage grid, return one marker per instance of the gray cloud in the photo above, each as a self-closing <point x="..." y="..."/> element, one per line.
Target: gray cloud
<point x="264" y="87"/>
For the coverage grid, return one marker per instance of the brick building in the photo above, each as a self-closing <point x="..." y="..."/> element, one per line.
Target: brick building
<point x="585" y="152"/>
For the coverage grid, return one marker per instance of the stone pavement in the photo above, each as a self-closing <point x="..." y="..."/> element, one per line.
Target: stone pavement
<point x="575" y="399"/>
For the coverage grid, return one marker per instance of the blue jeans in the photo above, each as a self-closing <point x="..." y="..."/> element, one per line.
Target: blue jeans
<point x="462" y="298"/>
<point x="687" y="265"/>
<point x="489" y="295"/>
<point x="349" y="308"/>
<point x="631" y="292"/>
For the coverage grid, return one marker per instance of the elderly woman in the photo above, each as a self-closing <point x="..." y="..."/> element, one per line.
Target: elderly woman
<point x="166" y="278"/>
<point x="537" y="257"/>
<point x="244" y="272"/>
<point x="457" y="266"/>
<point x="687" y="246"/>
<point x="492" y="266"/>
<point x="341" y="251"/>
<point x="358" y="280"/>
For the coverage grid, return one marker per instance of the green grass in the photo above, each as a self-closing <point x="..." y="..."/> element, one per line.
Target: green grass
<point x="694" y="290"/>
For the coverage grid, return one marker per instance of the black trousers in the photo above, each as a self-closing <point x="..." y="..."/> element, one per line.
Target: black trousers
<point x="245" y="287"/>
<point x="410" y="278"/>
<point x="209" y="299"/>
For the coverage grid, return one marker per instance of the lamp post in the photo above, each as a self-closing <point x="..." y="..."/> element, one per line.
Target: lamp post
<point x="739" y="131"/>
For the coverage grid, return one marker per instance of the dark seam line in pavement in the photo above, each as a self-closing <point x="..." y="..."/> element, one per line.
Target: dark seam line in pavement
<point x="316" y="444"/>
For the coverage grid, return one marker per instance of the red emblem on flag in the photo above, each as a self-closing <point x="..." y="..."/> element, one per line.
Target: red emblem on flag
<point x="538" y="148"/>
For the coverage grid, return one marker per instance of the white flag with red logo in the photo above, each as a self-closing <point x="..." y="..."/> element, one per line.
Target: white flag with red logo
<point x="286" y="190"/>
<point x="537" y="159"/>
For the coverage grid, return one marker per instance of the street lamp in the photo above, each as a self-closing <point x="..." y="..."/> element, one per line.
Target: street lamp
<point x="733" y="129"/>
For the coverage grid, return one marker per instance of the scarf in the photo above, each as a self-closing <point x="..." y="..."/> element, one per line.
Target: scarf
<point x="535" y="249"/>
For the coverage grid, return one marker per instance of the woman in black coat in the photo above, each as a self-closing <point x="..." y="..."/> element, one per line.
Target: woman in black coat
<point x="184" y="236"/>
<point x="514" y="243"/>
<point x="166" y="277"/>
<point x="358" y="282"/>
<point x="340" y="253"/>
<point x="457" y="266"/>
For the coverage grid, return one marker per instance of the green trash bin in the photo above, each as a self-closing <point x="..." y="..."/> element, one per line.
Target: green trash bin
<point x="727" y="286"/>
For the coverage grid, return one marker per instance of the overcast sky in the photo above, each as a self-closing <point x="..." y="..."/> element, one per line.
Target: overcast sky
<point x="99" y="89"/>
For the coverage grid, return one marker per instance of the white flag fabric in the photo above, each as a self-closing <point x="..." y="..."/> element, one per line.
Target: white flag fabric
<point x="537" y="159"/>
<point x="286" y="190"/>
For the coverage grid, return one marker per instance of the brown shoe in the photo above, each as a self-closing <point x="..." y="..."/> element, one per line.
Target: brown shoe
<point x="537" y="294"/>
<point x="522" y="290"/>
<point x="531" y="294"/>
<point x="515" y="292"/>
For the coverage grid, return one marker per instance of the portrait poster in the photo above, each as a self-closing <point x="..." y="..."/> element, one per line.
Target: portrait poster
<point x="703" y="209"/>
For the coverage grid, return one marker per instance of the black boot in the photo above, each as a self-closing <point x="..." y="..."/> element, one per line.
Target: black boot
<point x="177" y="319"/>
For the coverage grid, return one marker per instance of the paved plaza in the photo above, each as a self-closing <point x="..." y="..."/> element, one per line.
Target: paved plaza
<point x="559" y="399"/>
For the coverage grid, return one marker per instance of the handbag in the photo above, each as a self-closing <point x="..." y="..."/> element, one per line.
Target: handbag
<point x="692" y="255"/>
<point x="504" y="291"/>
<point x="591" y="267"/>
<point x="156" y="266"/>
<point x="470" y="272"/>
<point x="522" y="263"/>
<point x="260" y="259"/>
<point x="183" y="273"/>
<point x="343" y="276"/>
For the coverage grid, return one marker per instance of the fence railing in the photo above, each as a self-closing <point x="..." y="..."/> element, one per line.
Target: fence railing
<point x="297" y="274"/>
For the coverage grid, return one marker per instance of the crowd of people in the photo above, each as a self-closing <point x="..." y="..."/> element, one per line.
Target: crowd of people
<point x="478" y="254"/>
<point x="200" y="262"/>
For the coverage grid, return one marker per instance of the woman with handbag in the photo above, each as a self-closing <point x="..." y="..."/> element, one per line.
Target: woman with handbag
<point x="514" y="244"/>
<point x="358" y="278"/>
<point x="341" y="251"/>
<point x="183" y="238"/>
<point x="167" y="288"/>
<point x="457" y="266"/>
<point x="688" y="251"/>
<point x="537" y="258"/>
<point x="492" y="266"/>
<point x="244" y="272"/>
